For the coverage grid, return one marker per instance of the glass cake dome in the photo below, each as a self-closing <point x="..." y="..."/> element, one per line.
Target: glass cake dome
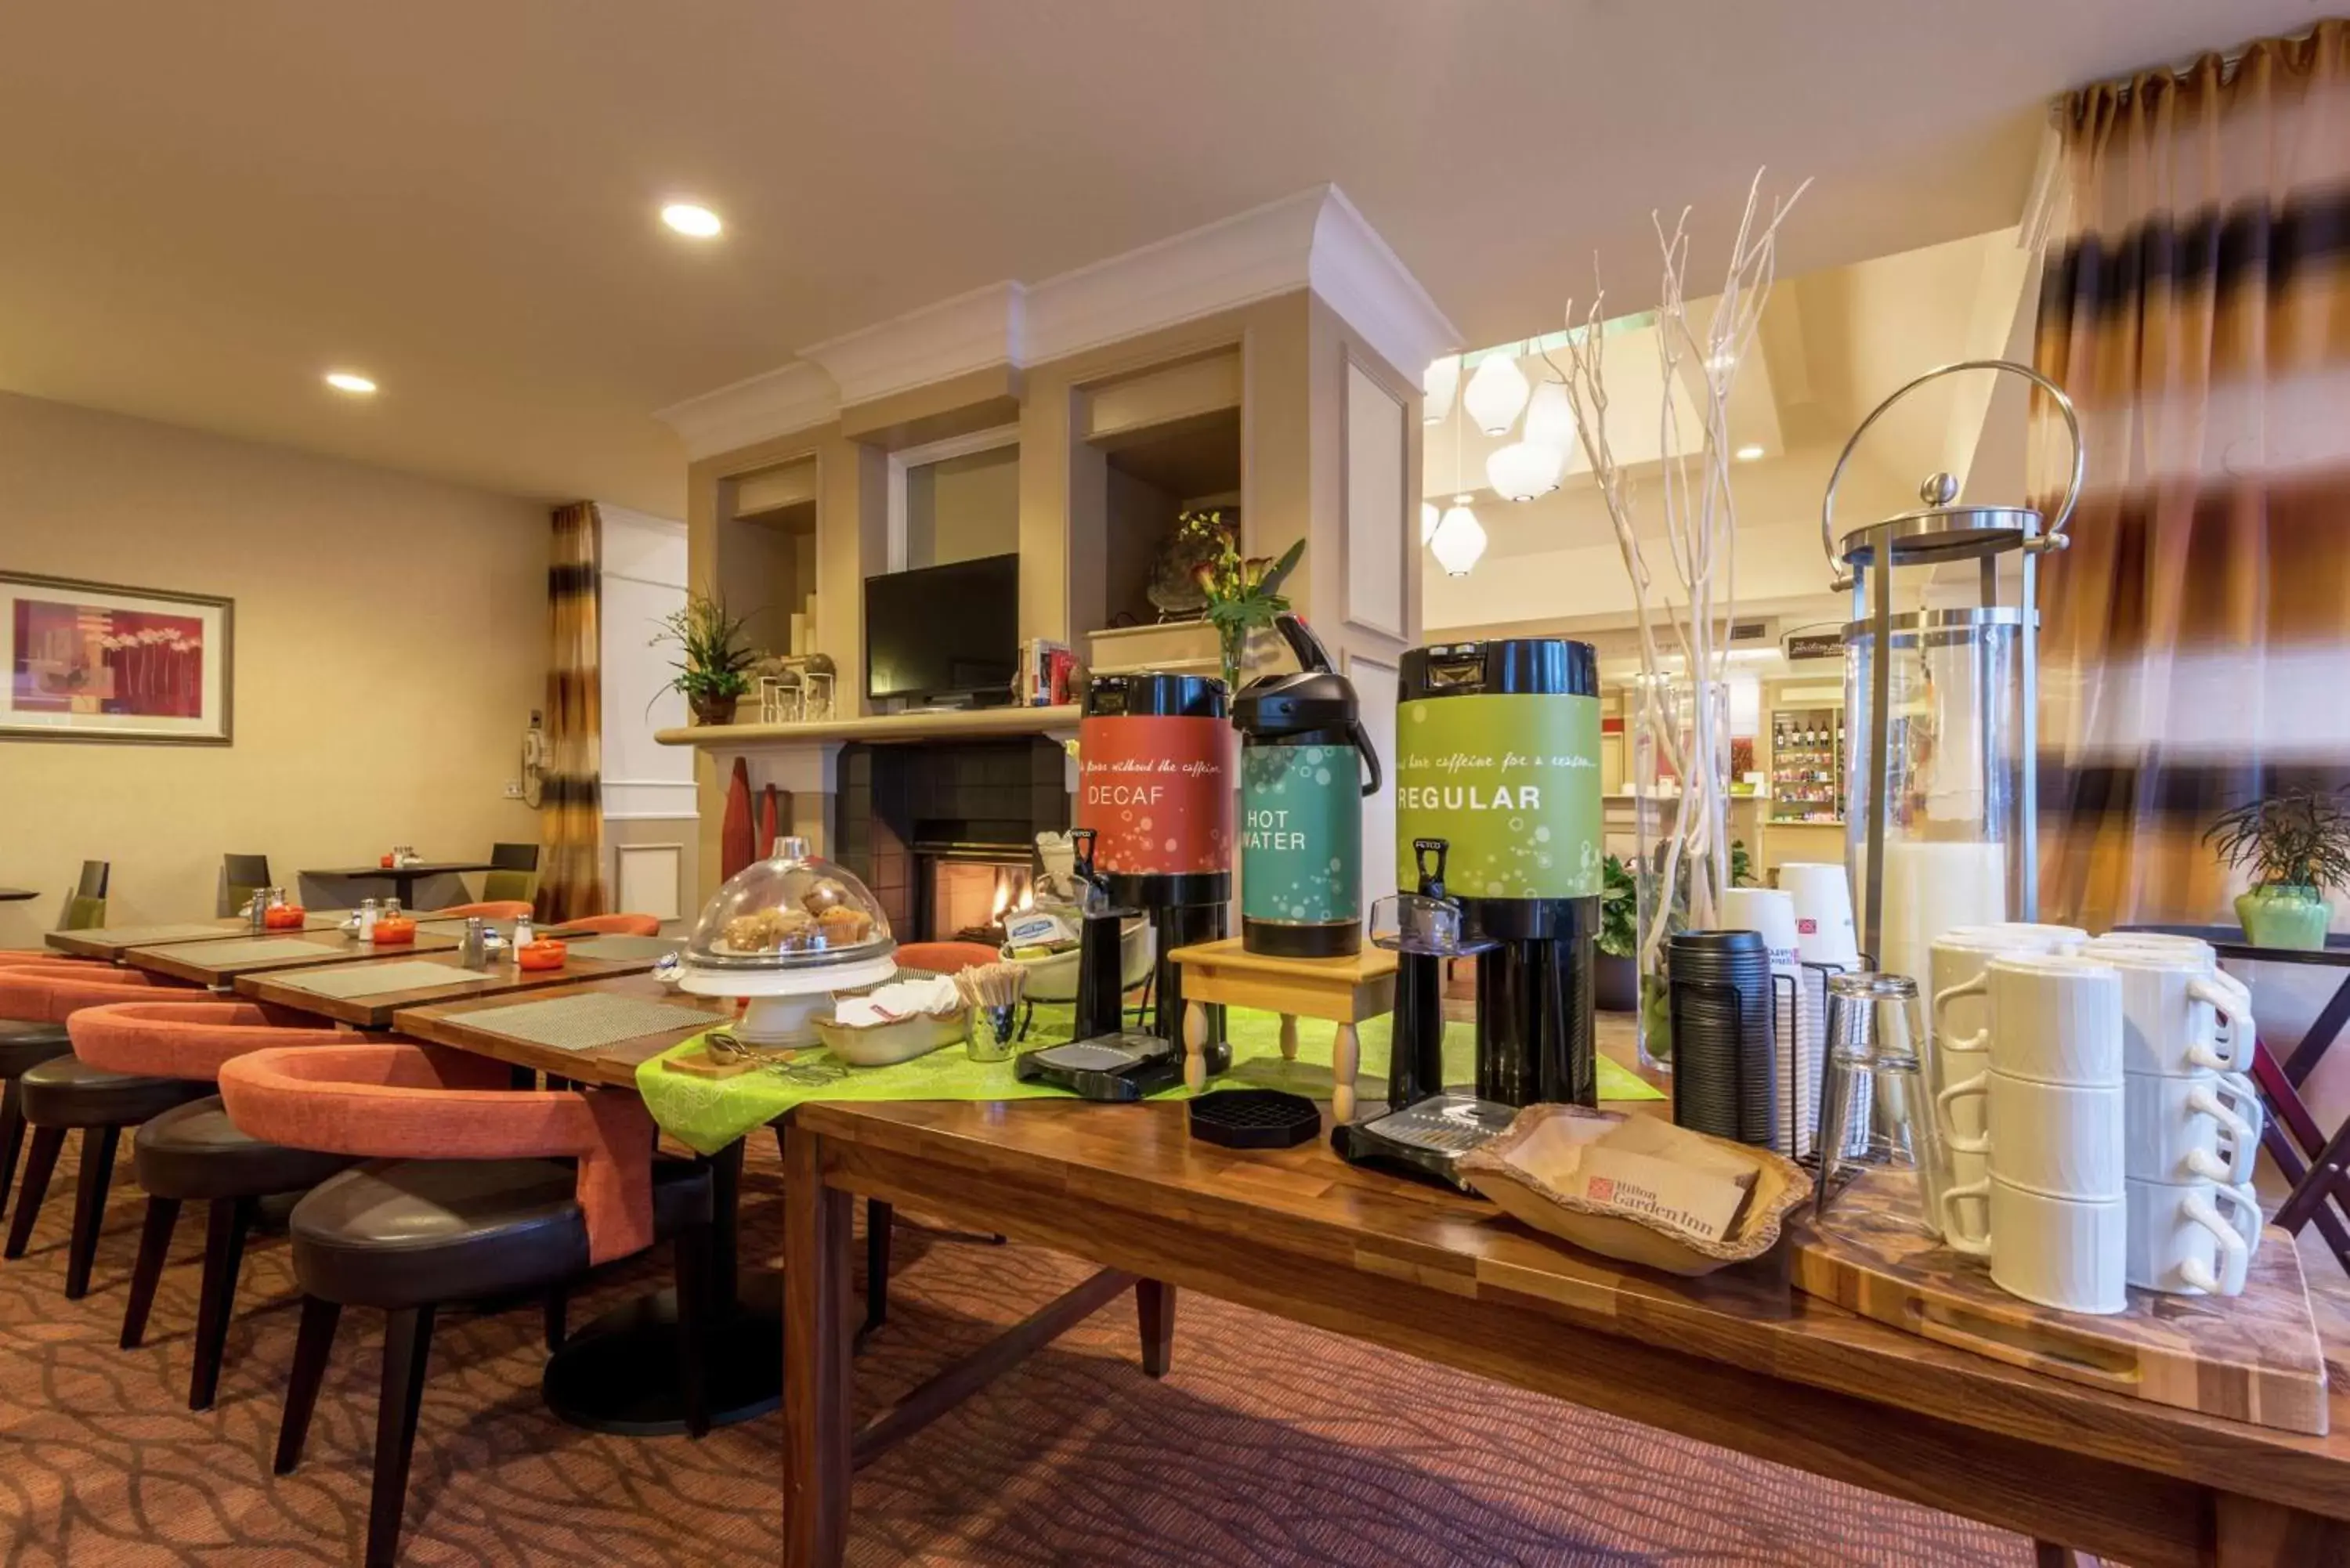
<point x="792" y="926"/>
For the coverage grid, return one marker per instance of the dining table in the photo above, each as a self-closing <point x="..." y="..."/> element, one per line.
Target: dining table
<point x="110" y="942"/>
<point x="218" y="963"/>
<point x="369" y="993"/>
<point x="403" y="878"/>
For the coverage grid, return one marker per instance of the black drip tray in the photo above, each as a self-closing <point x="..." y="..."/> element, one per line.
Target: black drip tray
<point x="1256" y="1118"/>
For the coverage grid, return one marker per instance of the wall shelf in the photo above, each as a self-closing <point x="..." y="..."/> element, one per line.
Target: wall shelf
<point x="967" y="723"/>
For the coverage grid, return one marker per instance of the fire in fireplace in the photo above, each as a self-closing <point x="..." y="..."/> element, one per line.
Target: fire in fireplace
<point x="969" y="899"/>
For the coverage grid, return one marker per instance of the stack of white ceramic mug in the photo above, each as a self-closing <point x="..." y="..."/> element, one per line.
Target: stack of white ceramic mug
<point x="1957" y="1023"/>
<point x="2052" y="1205"/>
<point x="2194" y="1117"/>
<point x="2116" y="1136"/>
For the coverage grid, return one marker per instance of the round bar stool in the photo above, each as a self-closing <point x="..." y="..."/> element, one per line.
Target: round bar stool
<point x="614" y="925"/>
<point x="192" y="1153"/>
<point x="472" y="1191"/>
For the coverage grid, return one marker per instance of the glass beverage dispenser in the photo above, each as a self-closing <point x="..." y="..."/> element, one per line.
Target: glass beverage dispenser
<point x="1940" y="702"/>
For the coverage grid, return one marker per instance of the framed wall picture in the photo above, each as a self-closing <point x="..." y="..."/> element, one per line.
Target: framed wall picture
<point x="99" y="662"/>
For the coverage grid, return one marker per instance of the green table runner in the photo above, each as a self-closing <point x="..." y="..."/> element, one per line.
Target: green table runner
<point x="707" y="1113"/>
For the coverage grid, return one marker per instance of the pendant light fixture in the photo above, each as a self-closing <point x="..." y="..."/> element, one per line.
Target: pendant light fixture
<point x="1550" y="418"/>
<point x="1524" y="470"/>
<point x="1437" y="384"/>
<point x="1459" y="539"/>
<point x="1497" y="392"/>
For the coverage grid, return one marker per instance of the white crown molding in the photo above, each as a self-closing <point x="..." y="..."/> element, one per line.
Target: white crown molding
<point x="792" y="397"/>
<point x="1315" y="239"/>
<point x="1236" y="261"/>
<point x="937" y="343"/>
<point x="1364" y="281"/>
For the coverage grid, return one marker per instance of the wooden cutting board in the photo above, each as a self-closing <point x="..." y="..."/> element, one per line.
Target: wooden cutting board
<point x="2252" y="1357"/>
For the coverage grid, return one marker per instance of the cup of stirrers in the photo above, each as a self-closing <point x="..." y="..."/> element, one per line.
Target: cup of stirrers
<point x="994" y="991"/>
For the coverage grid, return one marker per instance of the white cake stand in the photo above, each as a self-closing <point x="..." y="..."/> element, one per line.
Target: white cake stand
<point x="784" y="1002"/>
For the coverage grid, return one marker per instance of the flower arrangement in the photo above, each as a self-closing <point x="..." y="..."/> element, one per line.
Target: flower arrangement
<point x="714" y="671"/>
<point x="1244" y="593"/>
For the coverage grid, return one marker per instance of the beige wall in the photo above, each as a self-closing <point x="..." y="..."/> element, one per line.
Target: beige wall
<point x="964" y="508"/>
<point x="389" y="645"/>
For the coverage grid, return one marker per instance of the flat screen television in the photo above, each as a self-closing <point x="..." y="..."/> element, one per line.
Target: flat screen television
<point x="944" y="632"/>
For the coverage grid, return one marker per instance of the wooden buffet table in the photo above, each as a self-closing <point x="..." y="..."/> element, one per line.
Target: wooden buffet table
<point x="1734" y="1360"/>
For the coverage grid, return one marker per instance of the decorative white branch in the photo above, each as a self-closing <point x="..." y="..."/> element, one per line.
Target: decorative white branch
<point x="1701" y="529"/>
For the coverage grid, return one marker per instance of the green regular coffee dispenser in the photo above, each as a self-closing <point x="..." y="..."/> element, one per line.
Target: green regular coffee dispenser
<point x="1497" y="753"/>
<point x="1302" y="789"/>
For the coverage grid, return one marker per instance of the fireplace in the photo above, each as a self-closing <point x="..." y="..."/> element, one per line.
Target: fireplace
<point x="968" y="889"/>
<point x="945" y="834"/>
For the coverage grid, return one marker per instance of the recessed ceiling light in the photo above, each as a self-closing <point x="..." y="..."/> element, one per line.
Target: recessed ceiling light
<point x="696" y="222"/>
<point x="347" y="382"/>
<point x="1749" y="454"/>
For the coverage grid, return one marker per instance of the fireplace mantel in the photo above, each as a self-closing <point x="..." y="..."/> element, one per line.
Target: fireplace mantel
<point x="956" y="724"/>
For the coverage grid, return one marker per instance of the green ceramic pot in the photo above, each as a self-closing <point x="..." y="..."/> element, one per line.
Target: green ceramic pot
<point x="2281" y="916"/>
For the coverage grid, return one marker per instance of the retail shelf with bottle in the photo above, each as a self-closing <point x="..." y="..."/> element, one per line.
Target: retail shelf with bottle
<point x="1807" y="764"/>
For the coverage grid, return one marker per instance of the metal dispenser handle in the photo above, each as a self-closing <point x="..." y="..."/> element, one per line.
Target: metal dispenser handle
<point x="2053" y="539"/>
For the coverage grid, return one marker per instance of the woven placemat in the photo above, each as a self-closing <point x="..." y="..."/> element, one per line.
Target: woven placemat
<point x="585" y="1022"/>
<point x="375" y="978"/>
<point x="143" y="936"/>
<point x="253" y="949"/>
<point x="621" y="947"/>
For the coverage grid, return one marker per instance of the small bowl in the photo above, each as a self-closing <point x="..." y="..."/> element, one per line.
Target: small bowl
<point x="1054" y="977"/>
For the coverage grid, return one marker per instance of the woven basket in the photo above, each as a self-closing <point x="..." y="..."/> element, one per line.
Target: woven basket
<point x="1508" y="1171"/>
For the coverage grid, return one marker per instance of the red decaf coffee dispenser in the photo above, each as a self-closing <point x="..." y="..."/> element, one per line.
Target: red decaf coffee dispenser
<point x="1156" y="775"/>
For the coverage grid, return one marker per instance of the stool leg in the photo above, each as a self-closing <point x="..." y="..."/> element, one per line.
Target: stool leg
<point x="1154" y="1305"/>
<point x="1346" y="1059"/>
<point x="1195" y="1045"/>
<point x="12" y="1137"/>
<point x="407" y="1342"/>
<point x="225" y="1229"/>
<point x="154" y="1249"/>
<point x="98" y="1147"/>
<point x="40" y="1162"/>
<point x="692" y="1248"/>
<point x="1288" y="1037"/>
<point x="311" y="1348"/>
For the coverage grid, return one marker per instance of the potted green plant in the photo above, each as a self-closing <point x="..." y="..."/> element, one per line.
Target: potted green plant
<point x="1616" y="974"/>
<point x="1243" y="592"/>
<point x="2296" y="844"/>
<point x="713" y="671"/>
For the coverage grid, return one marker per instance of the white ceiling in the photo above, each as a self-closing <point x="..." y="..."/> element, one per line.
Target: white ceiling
<point x="205" y="207"/>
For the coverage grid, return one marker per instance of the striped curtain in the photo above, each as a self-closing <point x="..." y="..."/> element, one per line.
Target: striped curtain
<point x="2195" y="636"/>
<point x="571" y="797"/>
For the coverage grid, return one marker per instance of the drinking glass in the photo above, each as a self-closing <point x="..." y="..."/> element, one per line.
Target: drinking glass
<point x="1876" y="1111"/>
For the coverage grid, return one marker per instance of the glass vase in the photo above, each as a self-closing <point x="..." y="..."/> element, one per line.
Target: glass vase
<point x="1676" y="736"/>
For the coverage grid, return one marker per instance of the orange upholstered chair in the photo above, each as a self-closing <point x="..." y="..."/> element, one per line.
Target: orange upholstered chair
<point x="36" y="997"/>
<point x="501" y="909"/>
<point x="944" y="958"/>
<point x="193" y="1153"/>
<point x="488" y="1192"/>
<point x="616" y="925"/>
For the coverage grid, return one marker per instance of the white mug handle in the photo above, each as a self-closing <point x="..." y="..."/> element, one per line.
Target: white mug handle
<point x="2243" y="1139"/>
<point x="1975" y="1087"/>
<point x="2235" y="1250"/>
<point x="2232" y="1001"/>
<point x="1975" y="1244"/>
<point x="1978" y="986"/>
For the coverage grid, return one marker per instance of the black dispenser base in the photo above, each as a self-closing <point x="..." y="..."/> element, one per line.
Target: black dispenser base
<point x="1115" y="1068"/>
<point x="1426" y="1139"/>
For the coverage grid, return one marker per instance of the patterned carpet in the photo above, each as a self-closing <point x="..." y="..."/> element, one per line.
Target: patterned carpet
<point x="1267" y="1444"/>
